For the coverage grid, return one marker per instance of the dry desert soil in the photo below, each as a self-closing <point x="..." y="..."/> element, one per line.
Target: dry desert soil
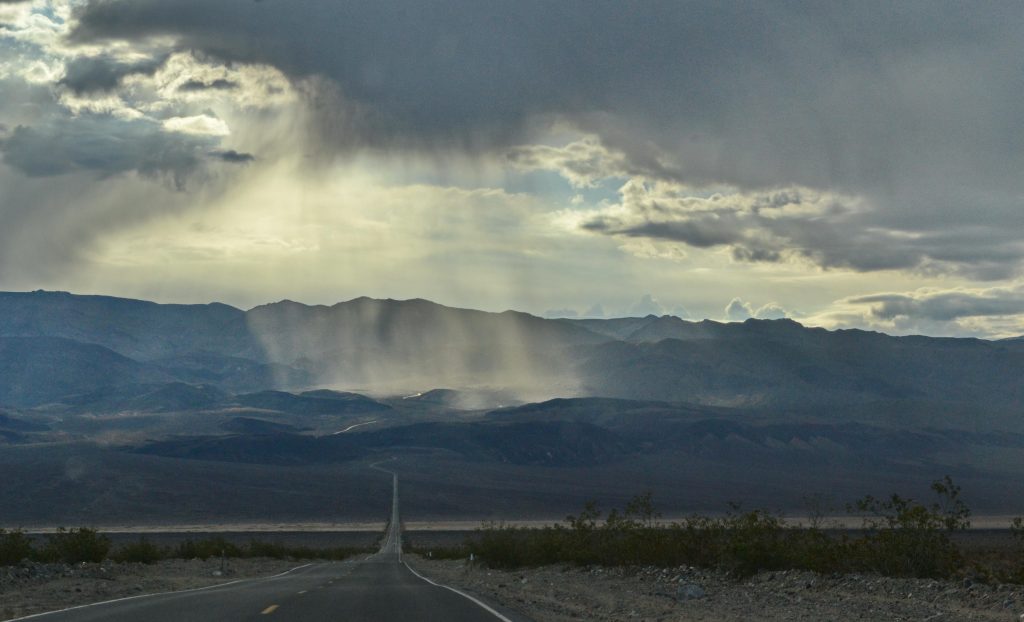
<point x="563" y="593"/>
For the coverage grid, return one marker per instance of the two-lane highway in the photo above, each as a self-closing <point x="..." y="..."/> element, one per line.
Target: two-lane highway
<point x="376" y="588"/>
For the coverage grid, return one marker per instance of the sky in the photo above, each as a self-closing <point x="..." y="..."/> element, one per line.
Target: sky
<point x="842" y="164"/>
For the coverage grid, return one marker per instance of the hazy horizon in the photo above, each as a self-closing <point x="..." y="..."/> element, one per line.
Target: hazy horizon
<point x="549" y="315"/>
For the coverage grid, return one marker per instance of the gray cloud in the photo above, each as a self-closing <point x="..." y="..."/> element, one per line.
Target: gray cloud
<point x="859" y="95"/>
<point x="561" y="313"/>
<point x="233" y="157"/>
<point x="738" y="310"/>
<point x="823" y="229"/>
<point x="945" y="306"/>
<point x="89" y="74"/>
<point x="219" y="84"/>
<point x="913" y="110"/>
<point x="647" y="305"/>
<point x="104" y="145"/>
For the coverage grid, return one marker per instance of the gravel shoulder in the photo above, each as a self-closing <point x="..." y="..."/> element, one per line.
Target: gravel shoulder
<point x="563" y="593"/>
<point x="36" y="588"/>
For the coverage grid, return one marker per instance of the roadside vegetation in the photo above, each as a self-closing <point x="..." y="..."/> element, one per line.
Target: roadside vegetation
<point x="72" y="546"/>
<point x="899" y="537"/>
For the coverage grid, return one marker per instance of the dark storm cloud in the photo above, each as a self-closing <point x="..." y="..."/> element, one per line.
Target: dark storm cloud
<point x="832" y="93"/>
<point x="781" y="226"/>
<point x="103" y="73"/>
<point x="233" y="157"/>
<point x="219" y="84"/>
<point x="945" y="306"/>
<point x="913" y="107"/>
<point x="103" y="145"/>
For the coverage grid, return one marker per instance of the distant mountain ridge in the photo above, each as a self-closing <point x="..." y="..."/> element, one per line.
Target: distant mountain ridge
<point x="54" y="345"/>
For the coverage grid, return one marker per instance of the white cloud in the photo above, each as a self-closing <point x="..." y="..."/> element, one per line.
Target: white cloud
<point x="594" y="311"/>
<point x="584" y="163"/>
<point x="737" y="310"/>
<point x="203" y="125"/>
<point x="561" y="313"/>
<point x="647" y="305"/>
<point x="991" y="312"/>
<point x="771" y="311"/>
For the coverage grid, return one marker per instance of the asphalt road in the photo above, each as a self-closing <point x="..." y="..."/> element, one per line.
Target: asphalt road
<point x="380" y="587"/>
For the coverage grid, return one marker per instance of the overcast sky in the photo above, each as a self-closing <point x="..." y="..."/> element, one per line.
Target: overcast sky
<point x="853" y="164"/>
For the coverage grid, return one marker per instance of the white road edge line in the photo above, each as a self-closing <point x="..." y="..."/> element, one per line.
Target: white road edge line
<point x="482" y="604"/>
<point x="118" y="600"/>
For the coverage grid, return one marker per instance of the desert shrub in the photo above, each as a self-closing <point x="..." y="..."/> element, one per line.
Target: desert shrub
<point x="15" y="546"/>
<point x="443" y="552"/>
<point x="1017" y="529"/>
<point x="457" y="551"/>
<point x="259" y="548"/>
<point x="506" y="547"/>
<point x="753" y="541"/>
<point x="901" y="537"/>
<point x="141" y="552"/>
<point x="75" y="546"/>
<point x="906" y="538"/>
<point x="205" y="549"/>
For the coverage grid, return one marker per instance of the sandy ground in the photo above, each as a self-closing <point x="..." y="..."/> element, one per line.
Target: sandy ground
<point x="558" y="594"/>
<point x="35" y="588"/>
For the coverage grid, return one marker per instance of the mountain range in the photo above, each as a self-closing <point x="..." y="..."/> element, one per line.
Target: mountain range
<point x="58" y="348"/>
<point x="117" y="410"/>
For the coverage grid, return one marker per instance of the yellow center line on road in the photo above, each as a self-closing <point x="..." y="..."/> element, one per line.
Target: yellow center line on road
<point x="270" y="609"/>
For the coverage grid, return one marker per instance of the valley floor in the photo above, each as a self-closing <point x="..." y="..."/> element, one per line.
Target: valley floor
<point x="561" y="594"/>
<point x="34" y="588"/>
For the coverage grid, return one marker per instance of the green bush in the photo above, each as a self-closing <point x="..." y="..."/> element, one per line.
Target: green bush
<point x="205" y="549"/>
<point x="75" y="546"/>
<point x="141" y="552"/>
<point x="15" y="546"/>
<point x="901" y="537"/>
<point x="907" y="538"/>
<point x="753" y="541"/>
<point x="1017" y="528"/>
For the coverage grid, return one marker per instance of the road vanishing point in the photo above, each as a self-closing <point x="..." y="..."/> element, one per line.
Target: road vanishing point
<point x="378" y="588"/>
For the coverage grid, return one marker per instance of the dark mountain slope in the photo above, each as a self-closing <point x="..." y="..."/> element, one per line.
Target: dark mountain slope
<point x="146" y="398"/>
<point x="311" y="402"/>
<point x="231" y="373"/>
<point x="250" y="425"/>
<point x="402" y="347"/>
<point x="782" y="364"/>
<point x="526" y="443"/>
<point x="37" y="370"/>
<point x="134" y="328"/>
